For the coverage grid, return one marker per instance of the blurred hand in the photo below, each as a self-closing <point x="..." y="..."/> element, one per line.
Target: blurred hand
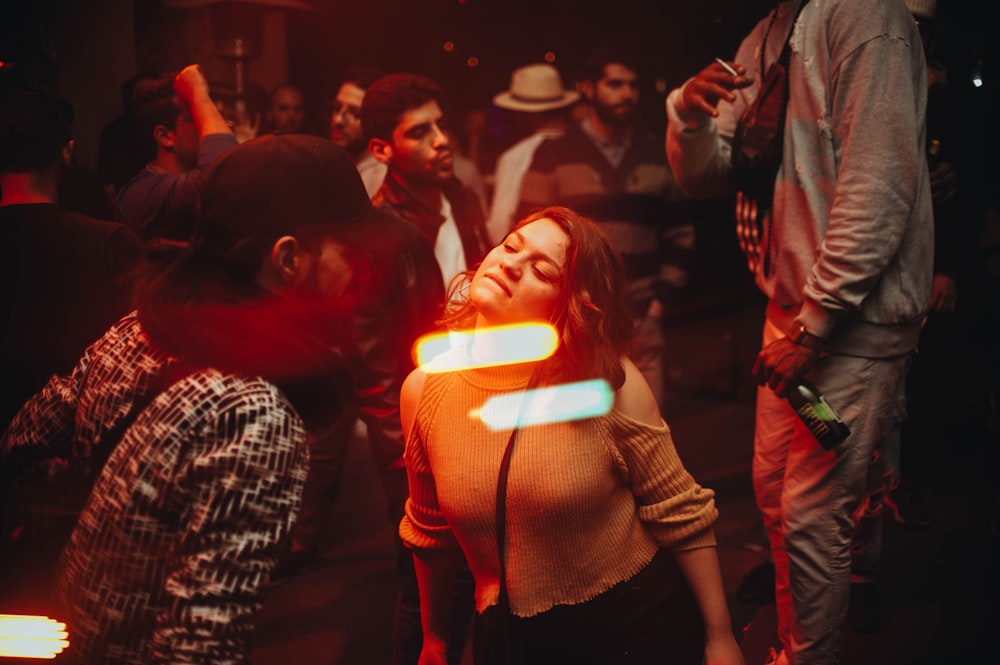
<point x="702" y="94"/>
<point x="190" y="84"/>
<point x="944" y="182"/>
<point x="782" y="364"/>
<point x="944" y="294"/>
<point x="434" y="654"/>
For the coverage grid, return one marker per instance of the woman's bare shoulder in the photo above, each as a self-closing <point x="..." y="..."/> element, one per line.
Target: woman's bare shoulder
<point x="635" y="399"/>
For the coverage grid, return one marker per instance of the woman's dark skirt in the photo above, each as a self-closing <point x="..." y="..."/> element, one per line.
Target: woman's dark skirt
<point x="650" y="618"/>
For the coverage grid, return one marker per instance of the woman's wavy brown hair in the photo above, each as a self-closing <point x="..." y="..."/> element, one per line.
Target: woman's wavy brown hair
<point x="591" y="318"/>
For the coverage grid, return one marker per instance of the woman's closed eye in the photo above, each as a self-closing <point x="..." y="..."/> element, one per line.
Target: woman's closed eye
<point x="543" y="275"/>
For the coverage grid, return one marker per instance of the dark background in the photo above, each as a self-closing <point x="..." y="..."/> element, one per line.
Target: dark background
<point x="88" y="50"/>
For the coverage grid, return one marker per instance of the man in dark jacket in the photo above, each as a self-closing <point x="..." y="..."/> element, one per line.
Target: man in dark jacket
<point x="402" y="120"/>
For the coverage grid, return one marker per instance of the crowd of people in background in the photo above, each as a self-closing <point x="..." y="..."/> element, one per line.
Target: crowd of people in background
<point x="198" y="330"/>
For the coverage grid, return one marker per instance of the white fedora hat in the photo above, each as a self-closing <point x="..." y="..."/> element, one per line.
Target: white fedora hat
<point x="535" y="88"/>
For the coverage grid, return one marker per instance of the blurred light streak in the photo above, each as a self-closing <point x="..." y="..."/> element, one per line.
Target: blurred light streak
<point x="554" y="404"/>
<point x="509" y="345"/>
<point x="28" y="636"/>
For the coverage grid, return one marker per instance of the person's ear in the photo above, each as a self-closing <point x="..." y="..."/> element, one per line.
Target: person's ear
<point x="67" y="152"/>
<point x="587" y="90"/>
<point x="380" y="149"/>
<point x="286" y="259"/>
<point x="164" y="136"/>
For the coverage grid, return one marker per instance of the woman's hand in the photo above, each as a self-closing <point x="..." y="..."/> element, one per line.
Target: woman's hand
<point x="723" y="650"/>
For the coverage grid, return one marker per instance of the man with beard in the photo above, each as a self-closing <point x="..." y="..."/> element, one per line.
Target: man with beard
<point x="345" y="125"/>
<point x="610" y="170"/>
<point x="192" y="412"/>
<point x="403" y="122"/>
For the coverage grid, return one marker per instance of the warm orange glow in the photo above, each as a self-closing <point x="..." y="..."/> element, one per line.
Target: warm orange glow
<point x="472" y="62"/>
<point x="550" y="56"/>
<point x="26" y="636"/>
<point x="449" y="46"/>
<point x="502" y="345"/>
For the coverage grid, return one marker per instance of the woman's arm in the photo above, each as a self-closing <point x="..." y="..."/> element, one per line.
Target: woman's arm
<point x="436" y="570"/>
<point x="635" y="398"/>
<point x="700" y="568"/>
<point x="409" y="395"/>
<point x="700" y="565"/>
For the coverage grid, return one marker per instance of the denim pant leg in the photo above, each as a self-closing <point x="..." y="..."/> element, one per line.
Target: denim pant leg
<point x="807" y="496"/>
<point x="883" y="475"/>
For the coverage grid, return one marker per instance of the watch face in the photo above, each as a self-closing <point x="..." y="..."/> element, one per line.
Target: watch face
<point x="805" y="338"/>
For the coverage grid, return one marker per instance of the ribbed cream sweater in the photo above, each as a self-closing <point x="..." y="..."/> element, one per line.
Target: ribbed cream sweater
<point x="588" y="502"/>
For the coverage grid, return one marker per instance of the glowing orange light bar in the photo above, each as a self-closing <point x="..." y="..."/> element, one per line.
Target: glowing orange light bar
<point x="27" y="636"/>
<point x="502" y="345"/>
<point x="554" y="404"/>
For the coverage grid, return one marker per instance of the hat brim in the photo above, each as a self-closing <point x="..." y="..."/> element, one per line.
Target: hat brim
<point x="379" y="232"/>
<point x="506" y="100"/>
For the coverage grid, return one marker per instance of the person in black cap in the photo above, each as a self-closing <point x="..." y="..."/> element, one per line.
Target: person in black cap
<point x="198" y="407"/>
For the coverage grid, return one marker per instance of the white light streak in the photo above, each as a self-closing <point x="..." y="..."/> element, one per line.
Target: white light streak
<point x="554" y="404"/>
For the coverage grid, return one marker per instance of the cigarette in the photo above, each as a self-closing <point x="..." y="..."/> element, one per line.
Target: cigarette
<point x="727" y="66"/>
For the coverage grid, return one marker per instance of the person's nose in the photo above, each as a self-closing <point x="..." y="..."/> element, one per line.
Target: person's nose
<point x="511" y="266"/>
<point x="440" y="138"/>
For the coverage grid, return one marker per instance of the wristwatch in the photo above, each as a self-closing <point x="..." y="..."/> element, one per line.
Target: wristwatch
<point x="801" y="336"/>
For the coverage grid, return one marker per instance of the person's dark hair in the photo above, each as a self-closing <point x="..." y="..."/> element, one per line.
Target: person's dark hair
<point x="34" y="129"/>
<point x="609" y="54"/>
<point x="388" y="98"/>
<point x="362" y="76"/>
<point x="592" y="320"/>
<point x="153" y="103"/>
<point x="283" y="86"/>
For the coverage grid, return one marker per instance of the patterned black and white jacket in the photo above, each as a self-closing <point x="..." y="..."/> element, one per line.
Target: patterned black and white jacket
<point x="168" y="558"/>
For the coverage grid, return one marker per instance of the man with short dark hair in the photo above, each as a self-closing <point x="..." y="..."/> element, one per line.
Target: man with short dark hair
<point x="402" y="119"/>
<point x="209" y="390"/>
<point x="345" y="124"/>
<point x="186" y="133"/>
<point x="287" y="111"/>
<point x="609" y="169"/>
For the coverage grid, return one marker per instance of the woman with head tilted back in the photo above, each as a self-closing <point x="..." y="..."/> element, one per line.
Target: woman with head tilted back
<point x="609" y="549"/>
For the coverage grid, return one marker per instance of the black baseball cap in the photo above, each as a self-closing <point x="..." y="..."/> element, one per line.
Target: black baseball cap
<point x="276" y="184"/>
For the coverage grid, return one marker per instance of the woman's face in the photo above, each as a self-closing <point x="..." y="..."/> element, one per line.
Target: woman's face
<point x="522" y="278"/>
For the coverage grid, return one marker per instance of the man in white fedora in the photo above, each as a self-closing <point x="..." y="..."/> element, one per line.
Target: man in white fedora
<point x="536" y="93"/>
